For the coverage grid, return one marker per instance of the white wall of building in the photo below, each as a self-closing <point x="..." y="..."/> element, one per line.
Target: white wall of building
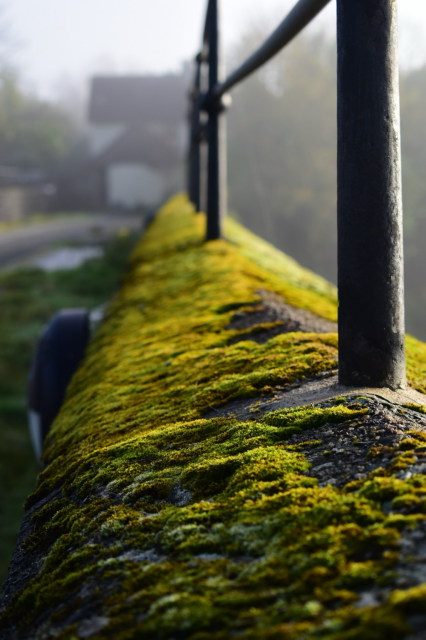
<point x="131" y="185"/>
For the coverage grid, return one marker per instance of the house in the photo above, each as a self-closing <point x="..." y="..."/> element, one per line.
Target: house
<point x="137" y="133"/>
<point x="23" y="193"/>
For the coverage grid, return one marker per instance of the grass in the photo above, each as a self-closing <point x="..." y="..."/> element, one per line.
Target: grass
<point x="28" y="297"/>
<point x="36" y="219"/>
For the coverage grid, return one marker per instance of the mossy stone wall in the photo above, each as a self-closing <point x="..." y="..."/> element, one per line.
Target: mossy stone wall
<point x="153" y="521"/>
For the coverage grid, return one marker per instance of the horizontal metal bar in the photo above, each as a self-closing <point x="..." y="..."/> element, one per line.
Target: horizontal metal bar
<point x="298" y="18"/>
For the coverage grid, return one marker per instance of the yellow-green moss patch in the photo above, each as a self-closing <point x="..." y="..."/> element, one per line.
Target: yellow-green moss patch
<point x="156" y="521"/>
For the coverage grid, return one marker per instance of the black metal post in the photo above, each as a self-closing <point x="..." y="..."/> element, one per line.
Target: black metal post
<point x="370" y="252"/>
<point x="190" y="164"/>
<point x="195" y="139"/>
<point x="196" y="184"/>
<point x="216" y="132"/>
<point x="203" y="161"/>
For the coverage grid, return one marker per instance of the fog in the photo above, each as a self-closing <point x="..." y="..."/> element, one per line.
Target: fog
<point x="50" y="50"/>
<point x="58" y="40"/>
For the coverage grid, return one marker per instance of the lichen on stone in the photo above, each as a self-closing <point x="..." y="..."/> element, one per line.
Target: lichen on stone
<point x="154" y="520"/>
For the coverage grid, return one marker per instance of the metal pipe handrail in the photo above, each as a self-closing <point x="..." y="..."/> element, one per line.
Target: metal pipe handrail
<point x="369" y="203"/>
<point x="299" y="17"/>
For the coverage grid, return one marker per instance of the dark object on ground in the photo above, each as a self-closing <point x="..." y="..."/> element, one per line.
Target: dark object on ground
<point x="58" y="355"/>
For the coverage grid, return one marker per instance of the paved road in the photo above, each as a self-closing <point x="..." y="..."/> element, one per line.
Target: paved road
<point x="19" y="244"/>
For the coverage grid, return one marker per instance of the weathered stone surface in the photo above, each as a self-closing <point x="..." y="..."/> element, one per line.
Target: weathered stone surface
<point x="197" y="486"/>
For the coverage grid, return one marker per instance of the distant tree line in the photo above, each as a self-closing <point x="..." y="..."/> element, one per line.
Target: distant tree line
<point x="282" y="160"/>
<point x="42" y="137"/>
<point x="33" y="132"/>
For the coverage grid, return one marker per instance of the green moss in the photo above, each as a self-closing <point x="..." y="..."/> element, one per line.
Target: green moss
<point x="416" y="363"/>
<point x="416" y="407"/>
<point x="300" y="287"/>
<point x="172" y="523"/>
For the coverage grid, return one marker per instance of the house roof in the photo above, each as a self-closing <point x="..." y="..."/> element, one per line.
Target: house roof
<point x="157" y="147"/>
<point x="131" y="99"/>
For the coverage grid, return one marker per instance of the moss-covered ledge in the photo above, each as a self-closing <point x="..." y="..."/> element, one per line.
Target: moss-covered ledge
<point x="155" y="520"/>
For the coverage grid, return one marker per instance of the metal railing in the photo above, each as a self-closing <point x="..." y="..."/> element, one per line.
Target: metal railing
<point x="369" y="210"/>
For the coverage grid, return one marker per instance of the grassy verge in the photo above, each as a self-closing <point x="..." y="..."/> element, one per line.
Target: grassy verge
<point x="28" y="297"/>
<point x="39" y="218"/>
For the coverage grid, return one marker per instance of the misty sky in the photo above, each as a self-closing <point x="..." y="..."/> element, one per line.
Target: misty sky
<point x="74" y="38"/>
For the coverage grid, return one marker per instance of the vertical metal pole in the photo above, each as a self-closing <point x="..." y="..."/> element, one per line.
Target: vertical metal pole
<point x="190" y="164"/>
<point x="203" y="163"/>
<point x="195" y="140"/>
<point x="197" y="143"/>
<point x="370" y="251"/>
<point x="216" y="133"/>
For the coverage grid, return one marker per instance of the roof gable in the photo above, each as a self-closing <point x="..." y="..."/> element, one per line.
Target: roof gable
<point x="132" y="99"/>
